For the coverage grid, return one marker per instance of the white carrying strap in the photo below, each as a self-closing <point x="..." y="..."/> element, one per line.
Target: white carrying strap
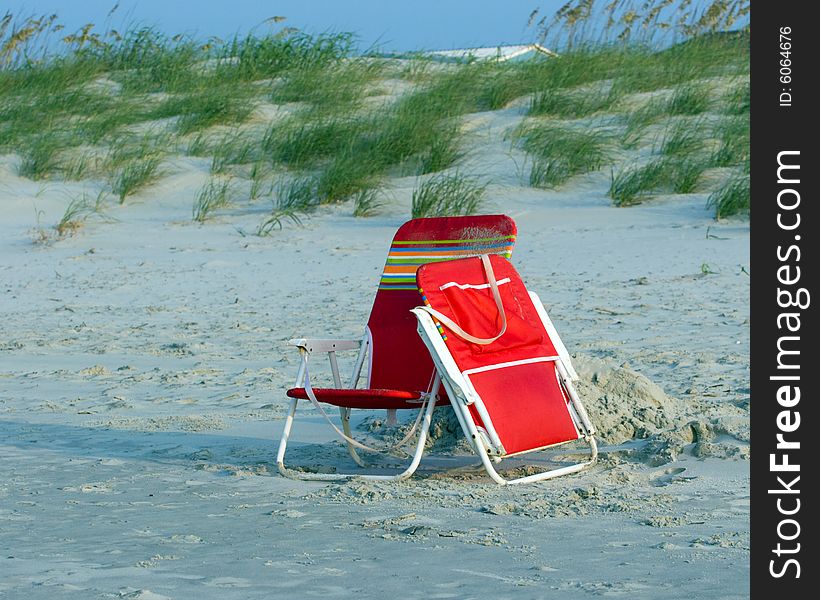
<point x="312" y="397"/>
<point x="454" y="327"/>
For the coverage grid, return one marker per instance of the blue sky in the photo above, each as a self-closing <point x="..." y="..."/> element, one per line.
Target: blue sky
<point x="394" y="25"/>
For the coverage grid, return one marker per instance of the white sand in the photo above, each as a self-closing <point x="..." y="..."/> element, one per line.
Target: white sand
<point x="142" y="378"/>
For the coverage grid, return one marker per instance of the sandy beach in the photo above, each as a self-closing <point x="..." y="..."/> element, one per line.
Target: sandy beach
<point x="173" y="214"/>
<point x="144" y="366"/>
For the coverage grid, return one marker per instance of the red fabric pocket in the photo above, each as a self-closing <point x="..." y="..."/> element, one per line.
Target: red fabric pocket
<point x="475" y="310"/>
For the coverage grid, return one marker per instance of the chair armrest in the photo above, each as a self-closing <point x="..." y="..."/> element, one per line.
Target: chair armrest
<point x="325" y="345"/>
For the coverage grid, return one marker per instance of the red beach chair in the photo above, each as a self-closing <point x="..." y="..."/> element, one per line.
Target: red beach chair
<point x="399" y="371"/>
<point x="506" y="372"/>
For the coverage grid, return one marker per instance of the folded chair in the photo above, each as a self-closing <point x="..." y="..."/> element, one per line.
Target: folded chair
<point x="507" y="374"/>
<point x="399" y="370"/>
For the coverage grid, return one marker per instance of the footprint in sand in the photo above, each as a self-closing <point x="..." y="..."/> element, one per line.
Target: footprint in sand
<point x="142" y="595"/>
<point x="669" y="476"/>
<point x="229" y="582"/>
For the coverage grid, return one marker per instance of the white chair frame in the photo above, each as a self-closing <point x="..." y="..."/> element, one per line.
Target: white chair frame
<point x="306" y="348"/>
<point x="462" y="395"/>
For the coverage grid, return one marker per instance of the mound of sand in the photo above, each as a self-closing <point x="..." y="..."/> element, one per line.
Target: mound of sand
<point x="623" y="405"/>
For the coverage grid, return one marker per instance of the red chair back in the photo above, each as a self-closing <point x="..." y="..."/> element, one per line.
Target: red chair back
<point x="515" y="375"/>
<point x="398" y="358"/>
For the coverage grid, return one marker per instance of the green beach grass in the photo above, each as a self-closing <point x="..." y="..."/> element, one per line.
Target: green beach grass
<point x="117" y="105"/>
<point x="443" y="195"/>
<point x="560" y="152"/>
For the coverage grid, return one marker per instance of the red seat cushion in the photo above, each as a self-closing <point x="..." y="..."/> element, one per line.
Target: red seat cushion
<point x="386" y="399"/>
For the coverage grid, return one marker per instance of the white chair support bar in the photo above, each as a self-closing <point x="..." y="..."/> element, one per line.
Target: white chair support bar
<point x="455" y="384"/>
<point x="325" y="345"/>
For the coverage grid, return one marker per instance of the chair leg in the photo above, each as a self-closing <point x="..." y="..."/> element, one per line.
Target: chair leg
<point x="478" y="445"/>
<point x="491" y="471"/>
<point x="391" y="420"/>
<point x="283" y="441"/>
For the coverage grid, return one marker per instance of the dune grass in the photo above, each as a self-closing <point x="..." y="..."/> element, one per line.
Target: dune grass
<point x="81" y="166"/>
<point x="685" y="158"/>
<point x="689" y="99"/>
<point x="43" y="86"/>
<point x="344" y="176"/>
<point x="255" y="58"/>
<point x="31" y="107"/>
<point x="683" y="138"/>
<point x="72" y="219"/>
<point x="732" y="198"/>
<point x="560" y="152"/>
<point x="420" y="133"/>
<point x="366" y="202"/>
<point x="213" y="196"/>
<point x="205" y="107"/>
<point x="643" y="69"/>
<point x="329" y="87"/>
<point x="628" y="67"/>
<point x="293" y="199"/>
<point x="638" y="121"/>
<point x="236" y="147"/>
<point x="109" y="122"/>
<point x="685" y="101"/>
<point x="632" y="185"/>
<point x="425" y="122"/>
<point x="448" y="195"/>
<point x="79" y="209"/>
<point x="134" y="161"/>
<point x="685" y="175"/>
<point x="201" y="144"/>
<point x="300" y="143"/>
<point x="574" y="104"/>
<point x="134" y="174"/>
<point x="180" y="63"/>
<point x="738" y="100"/>
<point x="498" y="84"/>
<point x="503" y="85"/>
<point x="61" y="110"/>
<point x="39" y="158"/>
<point x="687" y="146"/>
<point x="734" y="139"/>
<point x="260" y="184"/>
<point x="444" y="149"/>
<point x="562" y="84"/>
<point x="145" y="61"/>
